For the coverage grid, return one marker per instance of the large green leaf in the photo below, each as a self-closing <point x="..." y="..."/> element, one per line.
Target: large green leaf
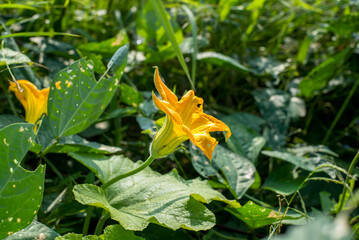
<point x="35" y="230"/>
<point x="245" y="139"/>
<point x="324" y="72"/>
<point x="20" y="190"/>
<point x="238" y="170"/>
<point x="147" y="196"/>
<point x="112" y="232"/>
<point x="256" y="216"/>
<point x="80" y="100"/>
<point x="8" y="56"/>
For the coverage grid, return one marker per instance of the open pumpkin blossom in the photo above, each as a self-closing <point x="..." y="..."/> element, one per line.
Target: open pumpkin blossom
<point x="32" y="99"/>
<point x="185" y="119"/>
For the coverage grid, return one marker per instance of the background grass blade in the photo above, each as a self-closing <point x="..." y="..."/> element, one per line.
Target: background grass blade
<point x="18" y="6"/>
<point x="37" y="34"/>
<point x="162" y="15"/>
<point x="192" y="20"/>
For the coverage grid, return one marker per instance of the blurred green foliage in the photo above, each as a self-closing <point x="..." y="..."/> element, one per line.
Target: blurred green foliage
<point x="282" y="74"/>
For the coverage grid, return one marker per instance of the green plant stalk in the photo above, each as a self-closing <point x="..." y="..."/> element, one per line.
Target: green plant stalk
<point x="162" y="15"/>
<point x="180" y="168"/>
<point x="310" y="114"/>
<point x="101" y="222"/>
<point x="85" y="228"/>
<point x="350" y="170"/>
<point x="195" y="46"/>
<point x="340" y="113"/>
<point x="52" y="166"/>
<point x="130" y="173"/>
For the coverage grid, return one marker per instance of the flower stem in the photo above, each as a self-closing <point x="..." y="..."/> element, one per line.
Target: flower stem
<point x="52" y="166"/>
<point x="350" y="170"/>
<point x="101" y="222"/>
<point x="130" y="173"/>
<point x="340" y="113"/>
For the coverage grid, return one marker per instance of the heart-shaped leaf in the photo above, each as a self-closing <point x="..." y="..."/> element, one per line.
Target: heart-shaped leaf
<point x="147" y="196"/>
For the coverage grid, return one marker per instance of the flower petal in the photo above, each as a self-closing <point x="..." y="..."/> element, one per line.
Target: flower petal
<point x="165" y="93"/>
<point x="189" y="105"/>
<point x="208" y="123"/>
<point x="162" y="105"/>
<point x="202" y="140"/>
<point x="190" y="109"/>
<point x="33" y="100"/>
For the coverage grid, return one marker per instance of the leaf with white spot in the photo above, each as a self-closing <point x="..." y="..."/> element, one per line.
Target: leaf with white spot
<point x="21" y="190"/>
<point x="35" y="230"/>
<point x="8" y="56"/>
<point x="79" y="100"/>
<point x="147" y="197"/>
<point x="112" y="232"/>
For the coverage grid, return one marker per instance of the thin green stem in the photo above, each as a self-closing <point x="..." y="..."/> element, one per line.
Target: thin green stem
<point x="180" y="168"/>
<point x="350" y="170"/>
<point x="299" y="188"/>
<point x="310" y="114"/>
<point x="52" y="166"/>
<point x="130" y="173"/>
<point x="101" y="222"/>
<point x="340" y="113"/>
<point x="85" y="228"/>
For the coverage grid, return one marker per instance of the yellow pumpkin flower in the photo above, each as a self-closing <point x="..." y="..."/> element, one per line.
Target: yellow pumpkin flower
<point x="185" y="119"/>
<point x="33" y="100"/>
